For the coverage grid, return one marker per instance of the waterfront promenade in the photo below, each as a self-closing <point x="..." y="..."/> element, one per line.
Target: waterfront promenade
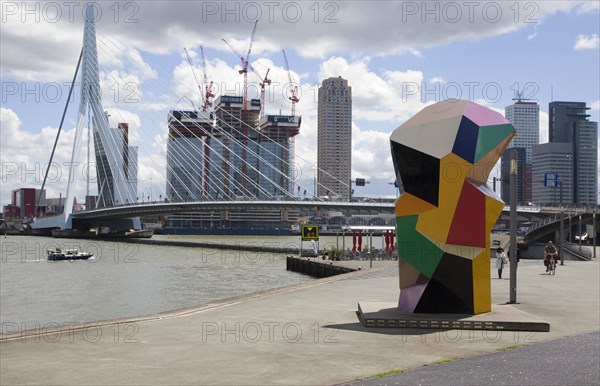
<point x="306" y="334"/>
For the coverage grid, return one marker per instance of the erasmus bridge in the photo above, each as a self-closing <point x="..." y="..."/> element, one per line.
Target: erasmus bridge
<point x="217" y="160"/>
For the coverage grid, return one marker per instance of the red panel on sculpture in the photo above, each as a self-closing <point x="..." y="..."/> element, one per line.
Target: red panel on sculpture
<point x="468" y="225"/>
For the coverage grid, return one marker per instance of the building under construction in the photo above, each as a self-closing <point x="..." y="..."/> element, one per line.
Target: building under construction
<point x="231" y="154"/>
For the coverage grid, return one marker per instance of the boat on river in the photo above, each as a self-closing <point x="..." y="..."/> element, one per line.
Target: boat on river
<point x="67" y="254"/>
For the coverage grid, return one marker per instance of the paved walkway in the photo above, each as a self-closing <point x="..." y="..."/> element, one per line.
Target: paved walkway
<point x="574" y="360"/>
<point x="308" y="334"/>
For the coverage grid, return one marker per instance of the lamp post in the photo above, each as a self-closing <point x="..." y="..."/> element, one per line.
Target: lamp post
<point x="580" y="233"/>
<point x="561" y="235"/>
<point x="594" y="230"/>
<point x="513" y="226"/>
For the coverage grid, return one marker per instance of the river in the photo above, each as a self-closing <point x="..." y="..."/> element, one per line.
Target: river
<point x="127" y="280"/>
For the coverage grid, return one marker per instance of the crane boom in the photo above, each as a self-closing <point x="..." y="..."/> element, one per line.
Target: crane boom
<point x="208" y="86"/>
<point x="189" y="58"/>
<point x="245" y="63"/>
<point x="251" y="40"/>
<point x="294" y="89"/>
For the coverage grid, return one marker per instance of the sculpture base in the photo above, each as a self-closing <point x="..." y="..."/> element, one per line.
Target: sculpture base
<point x="502" y="317"/>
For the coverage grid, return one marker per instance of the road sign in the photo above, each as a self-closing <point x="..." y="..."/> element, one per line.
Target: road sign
<point x="551" y="180"/>
<point x="310" y="232"/>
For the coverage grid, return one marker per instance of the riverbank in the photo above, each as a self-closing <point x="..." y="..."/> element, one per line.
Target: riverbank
<point x="306" y="334"/>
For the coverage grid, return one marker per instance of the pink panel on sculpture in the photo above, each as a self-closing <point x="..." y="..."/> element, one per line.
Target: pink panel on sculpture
<point x="483" y="116"/>
<point x="410" y="296"/>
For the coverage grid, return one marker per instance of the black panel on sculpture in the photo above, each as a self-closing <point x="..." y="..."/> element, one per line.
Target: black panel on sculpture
<point x="455" y="274"/>
<point x="419" y="172"/>
<point x="436" y="299"/>
<point x="450" y="287"/>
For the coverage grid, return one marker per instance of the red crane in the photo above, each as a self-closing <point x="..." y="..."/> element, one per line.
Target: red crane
<point x="294" y="89"/>
<point x="207" y="86"/>
<point x="245" y="62"/>
<point x="244" y="70"/>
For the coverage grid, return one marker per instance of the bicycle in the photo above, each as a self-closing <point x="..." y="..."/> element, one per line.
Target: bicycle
<point x="551" y="268"/>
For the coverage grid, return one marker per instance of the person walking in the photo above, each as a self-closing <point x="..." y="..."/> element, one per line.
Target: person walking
<point x="500" y="256"/>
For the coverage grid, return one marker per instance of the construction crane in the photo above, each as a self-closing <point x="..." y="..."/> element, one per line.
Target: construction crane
<point x="264" y="81"/>
<point x="208" y="86"/>
<point x="189" y="58"/>
<point x="245" y="62"/>
<point x="294" y="89"/>
<point x="244" y="71"/>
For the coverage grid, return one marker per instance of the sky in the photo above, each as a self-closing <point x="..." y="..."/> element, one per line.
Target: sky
<point x="398" y="57"/>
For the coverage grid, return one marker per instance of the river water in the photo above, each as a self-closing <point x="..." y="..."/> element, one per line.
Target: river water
<point x="126" y="280"/>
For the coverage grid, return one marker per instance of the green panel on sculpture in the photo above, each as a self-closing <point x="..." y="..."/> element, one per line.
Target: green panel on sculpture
<point x="415" y="248"/>
<point x="489" y="137"/>
<point x="459" y="210"/>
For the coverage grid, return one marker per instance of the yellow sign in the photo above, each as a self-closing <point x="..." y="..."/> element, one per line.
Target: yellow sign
<point x="310" y="232"/>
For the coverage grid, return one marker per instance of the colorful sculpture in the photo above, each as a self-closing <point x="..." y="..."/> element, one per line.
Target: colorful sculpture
<point x="443" y="155"/>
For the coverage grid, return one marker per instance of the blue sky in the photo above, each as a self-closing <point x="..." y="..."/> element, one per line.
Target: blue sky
<point x="389" y="51"/>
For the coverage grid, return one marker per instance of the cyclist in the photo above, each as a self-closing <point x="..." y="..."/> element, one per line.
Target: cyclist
<point x="550" y="252"/>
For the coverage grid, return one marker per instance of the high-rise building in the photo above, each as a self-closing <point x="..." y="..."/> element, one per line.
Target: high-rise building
<point x="569" y="123"/>
<point x="523" y="178"/>
<point x="185" y="155"/>
<point x="552" y="173"/>
<point x="525" y="117"/>
<point x="232" y="151"/>
<point x="117" y="184"/>
<point x="235" y="157"/>
<point x="276" y="151"/>
<point x="334" y="134"/>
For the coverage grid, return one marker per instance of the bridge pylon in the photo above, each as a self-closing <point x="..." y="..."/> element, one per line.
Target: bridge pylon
<point x="114" y="177"/>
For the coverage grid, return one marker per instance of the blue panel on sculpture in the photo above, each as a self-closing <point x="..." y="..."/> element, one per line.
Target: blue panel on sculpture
<point x="466" y="140"/>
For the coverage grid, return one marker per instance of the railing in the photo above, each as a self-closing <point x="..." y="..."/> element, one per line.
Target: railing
<point x="582" y="253"/>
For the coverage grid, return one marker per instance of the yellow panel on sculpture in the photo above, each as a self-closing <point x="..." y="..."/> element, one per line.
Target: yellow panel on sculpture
<point x="408" y="204"/>
<point x="435" y="224"/>
<point x="482" y="290"/>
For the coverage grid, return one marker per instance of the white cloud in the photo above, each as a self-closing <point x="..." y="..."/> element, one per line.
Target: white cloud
<point x="25" y="156"/>
<point x="585" y="42"/>
<point x="595" y="106"/>
<point x="165" y="27"/>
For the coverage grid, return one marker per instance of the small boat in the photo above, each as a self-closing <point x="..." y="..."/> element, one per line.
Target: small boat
<point x="68" y="254"/>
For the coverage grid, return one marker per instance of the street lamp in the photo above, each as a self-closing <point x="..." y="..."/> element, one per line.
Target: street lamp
<point x="580" y="233"/>
<point x="561" y="234"/>
<point x="587" y="181"/>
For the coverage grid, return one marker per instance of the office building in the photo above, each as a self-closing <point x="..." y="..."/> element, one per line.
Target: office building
<point x="552" y="175"/>
<point x="334" y="135"/>
<point x="186" y="155"/>
<point x="117" y="184"/>
<point x="525" y="117"/>
<point x="232" y="169"/>
<point x="569" y="123"/>
<point x="523" y="179"/>
<point x="230" y="155"/>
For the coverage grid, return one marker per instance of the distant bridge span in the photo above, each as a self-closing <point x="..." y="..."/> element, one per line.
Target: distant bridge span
<point x="149" y="209"/>
<point x="157" y="208"/>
